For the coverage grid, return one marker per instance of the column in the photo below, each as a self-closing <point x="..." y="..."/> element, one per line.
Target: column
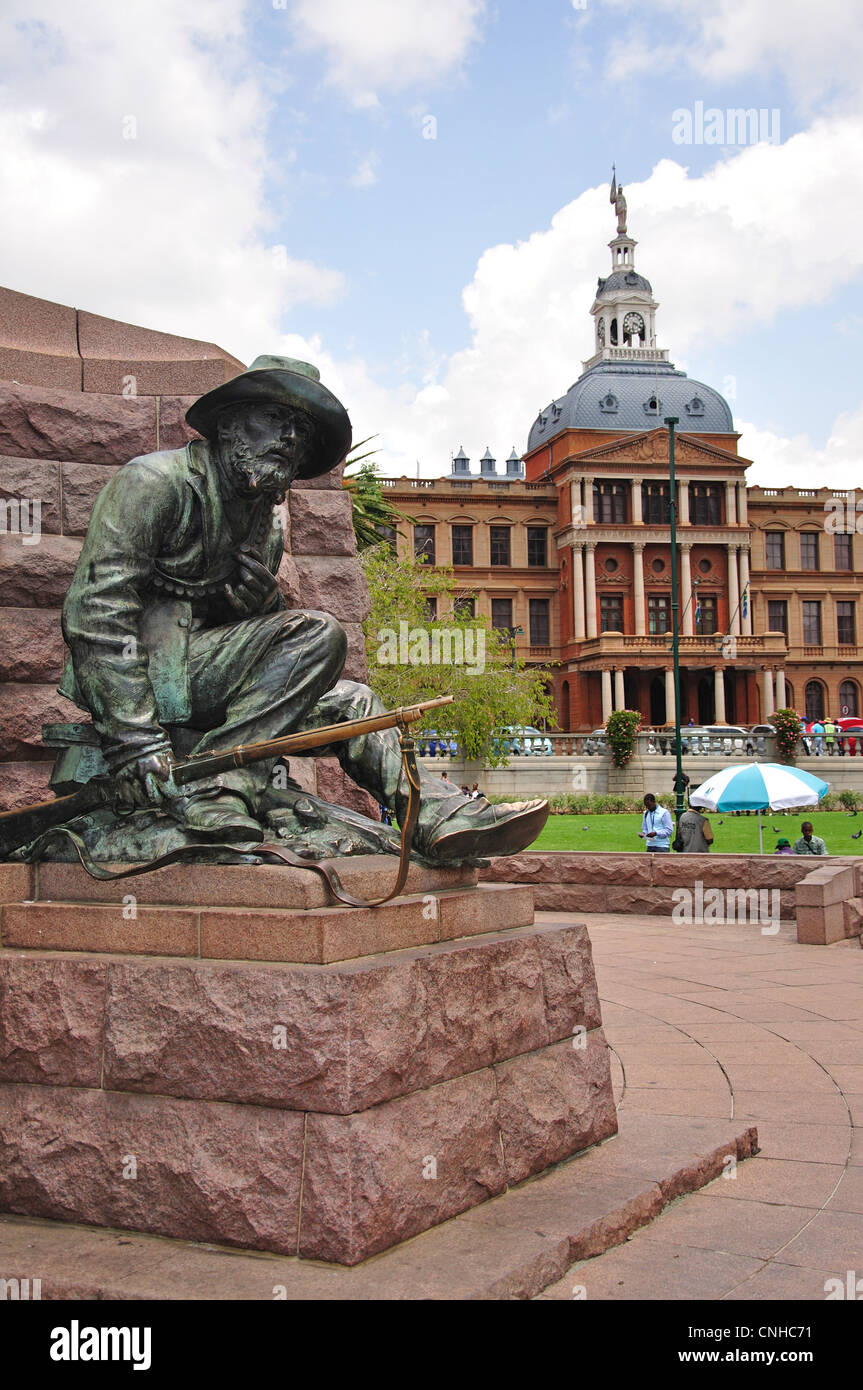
<point x="719" y="695"/>
<point x="767" y="704"/>
<point x="687" y="605"/>
<point x="578" y="592"/>
<point x="636" y="501"/>
<point x="683" y="502"/>
<point x="781" y="697"/>
<point x="619" y="697"/>
<point x="733" y="591"/>
<point x="669" y="696"/>
<point x="730" y="504"/>
<point x="742" y="510"/>
<point x="606" y="695"/>
<point x="590" y="562"/>
<point x="575" y="502"/>
<point x="588" y="500"/>
<point x="744" y="580"/>
<point x="638" y="577"/>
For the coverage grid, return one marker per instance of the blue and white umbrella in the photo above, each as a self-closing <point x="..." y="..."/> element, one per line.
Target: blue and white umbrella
<point x="757" y="787"/>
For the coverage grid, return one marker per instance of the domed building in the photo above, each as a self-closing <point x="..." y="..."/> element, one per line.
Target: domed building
<point x="604" y="445"/>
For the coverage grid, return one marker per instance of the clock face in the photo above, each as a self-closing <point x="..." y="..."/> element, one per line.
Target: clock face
<point x="600" y="332"/>
<point x="634" y="324"/>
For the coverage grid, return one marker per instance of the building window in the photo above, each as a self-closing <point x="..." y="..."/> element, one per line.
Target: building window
<point x="611" y="612"/>
<point x="537" y="546"/>
<point x="431" y="608"/>
<point x="424" y="543"/>
<point x="808" y="550"/>
<point x="843" y="558"/>
<point x="705" y="504"/>
<point x="609" y="503"/>
<point x="812" y="622"/>
<point x="501" y="614"/>
<point x="705" y="619"/>
<point x="500" y="547"/>
<point x="774" y="549"/>
<point x="539" y="627"/>
<point x="658" y="614"/>
<point x="656" y="504"/>
<point x="814" y="700"/>
<point x="849" y="700"/>
<point x="777" y="615"/>
<point x="465" y="607"/>
<point x="845" y="624"/>
<point x="462" y="545"/>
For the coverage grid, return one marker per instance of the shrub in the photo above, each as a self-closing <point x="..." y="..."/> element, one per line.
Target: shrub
<point x="621" y="729"/>
<point x="848" y="799"/>
<point x="787" y="725"/>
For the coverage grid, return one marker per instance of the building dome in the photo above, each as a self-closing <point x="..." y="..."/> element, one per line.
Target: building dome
<point x="619" y="396"/>
<point x="622" y="281"/>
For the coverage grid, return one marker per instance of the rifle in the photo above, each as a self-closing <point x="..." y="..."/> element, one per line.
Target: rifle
<point x="19" y="827"/>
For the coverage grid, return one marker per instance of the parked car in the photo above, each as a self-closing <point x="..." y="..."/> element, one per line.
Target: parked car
<point x="523" y="740"/>
<point x="431" y="744"/>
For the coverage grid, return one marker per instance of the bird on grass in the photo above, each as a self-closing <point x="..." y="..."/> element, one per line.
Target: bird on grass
<point x="775" y="829"/>
<point x="850" y="813"/>
<point x="719" y="822"/>
<point x="857" y="836"/>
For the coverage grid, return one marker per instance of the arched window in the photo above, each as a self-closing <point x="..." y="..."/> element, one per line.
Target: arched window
<point x="849" y="699"/>
<point x="789" y="694"/>
<point x="814" y="700"/>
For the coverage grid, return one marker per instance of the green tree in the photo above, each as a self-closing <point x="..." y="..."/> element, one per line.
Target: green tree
<point x="407" y="652"/>
<point x="373" y="513"/>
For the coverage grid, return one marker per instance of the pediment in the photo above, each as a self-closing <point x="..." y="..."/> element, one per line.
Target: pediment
<point x="652" y="447"/>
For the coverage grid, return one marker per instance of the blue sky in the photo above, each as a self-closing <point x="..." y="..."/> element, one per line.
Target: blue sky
<point x="278" y="194"/>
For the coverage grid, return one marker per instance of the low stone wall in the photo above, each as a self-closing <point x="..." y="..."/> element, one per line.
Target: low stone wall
<point x="580" y="776"/>
<point x="824" y="896"/>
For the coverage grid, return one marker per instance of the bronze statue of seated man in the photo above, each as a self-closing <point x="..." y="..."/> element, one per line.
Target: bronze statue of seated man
<point x="178" y="631"/>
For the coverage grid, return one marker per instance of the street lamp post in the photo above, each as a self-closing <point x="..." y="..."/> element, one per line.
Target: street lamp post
<point x="680" y="806"/>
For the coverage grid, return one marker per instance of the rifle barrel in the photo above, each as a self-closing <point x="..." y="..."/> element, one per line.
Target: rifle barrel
<point x="204" y="765"/>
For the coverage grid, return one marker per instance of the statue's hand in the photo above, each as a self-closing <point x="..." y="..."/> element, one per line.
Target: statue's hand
<point x="256" y="591"/>
<point x="145" y="783"/>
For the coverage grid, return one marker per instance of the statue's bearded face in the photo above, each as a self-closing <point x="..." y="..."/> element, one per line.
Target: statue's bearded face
<point x="264" y="447"/>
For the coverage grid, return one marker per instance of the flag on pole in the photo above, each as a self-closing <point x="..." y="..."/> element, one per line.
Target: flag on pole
<point x="745" y="602"/>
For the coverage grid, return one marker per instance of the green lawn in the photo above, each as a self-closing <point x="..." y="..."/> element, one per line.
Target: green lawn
<point x="731" y="834"/>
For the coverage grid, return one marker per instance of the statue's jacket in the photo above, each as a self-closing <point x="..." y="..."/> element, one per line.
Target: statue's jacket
<point x="157" y="555"/>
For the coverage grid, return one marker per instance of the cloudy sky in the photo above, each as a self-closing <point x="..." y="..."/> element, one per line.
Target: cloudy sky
<point x="415" y="197"/>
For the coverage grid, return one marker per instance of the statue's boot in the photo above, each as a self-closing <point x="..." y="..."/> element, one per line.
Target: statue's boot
<point x="220" y="816"/>
<point x="478" y="829"/>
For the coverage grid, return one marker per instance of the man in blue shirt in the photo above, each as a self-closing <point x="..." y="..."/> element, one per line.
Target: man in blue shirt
<point x="656" y="826"/>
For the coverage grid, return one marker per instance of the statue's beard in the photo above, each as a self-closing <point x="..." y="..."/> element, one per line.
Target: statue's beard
<point x="259" y="475"/>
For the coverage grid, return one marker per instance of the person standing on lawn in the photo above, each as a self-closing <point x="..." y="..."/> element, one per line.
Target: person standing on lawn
<point x="809" y="843"/>
<point x="656" y="826"/>
<point x="696" y="832"/>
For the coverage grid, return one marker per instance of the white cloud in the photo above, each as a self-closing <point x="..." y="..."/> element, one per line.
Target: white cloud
<point x="817" y="48"/>
<point x="366" y="173"/>
<point x="796" y="462"/>
<point x="771" y="229"/>
<point x="132" y="164"/>
<point x="388" y="45"/>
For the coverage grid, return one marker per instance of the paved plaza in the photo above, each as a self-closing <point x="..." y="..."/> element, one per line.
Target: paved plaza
<point x="729" y="1023"/>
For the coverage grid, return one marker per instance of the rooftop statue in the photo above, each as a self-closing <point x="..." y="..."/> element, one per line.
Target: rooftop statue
<point x="181" y="645"/>
<point x="617" y="199"/>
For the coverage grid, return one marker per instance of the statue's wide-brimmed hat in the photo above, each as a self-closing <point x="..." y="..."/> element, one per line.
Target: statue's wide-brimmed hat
<point x="282" y="381"/>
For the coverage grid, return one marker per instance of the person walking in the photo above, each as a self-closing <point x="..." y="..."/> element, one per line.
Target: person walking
<point x="656" y="826"/>
<point x="684" y="786"/>
<point x="696" y="832"/>
<point x="809" y="843"/>
<point x="829" y="735"/>
<point x="817" y="732"/>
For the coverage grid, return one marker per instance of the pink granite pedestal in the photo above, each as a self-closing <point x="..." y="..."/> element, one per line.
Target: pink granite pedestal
<point x="218" y="1055"/>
